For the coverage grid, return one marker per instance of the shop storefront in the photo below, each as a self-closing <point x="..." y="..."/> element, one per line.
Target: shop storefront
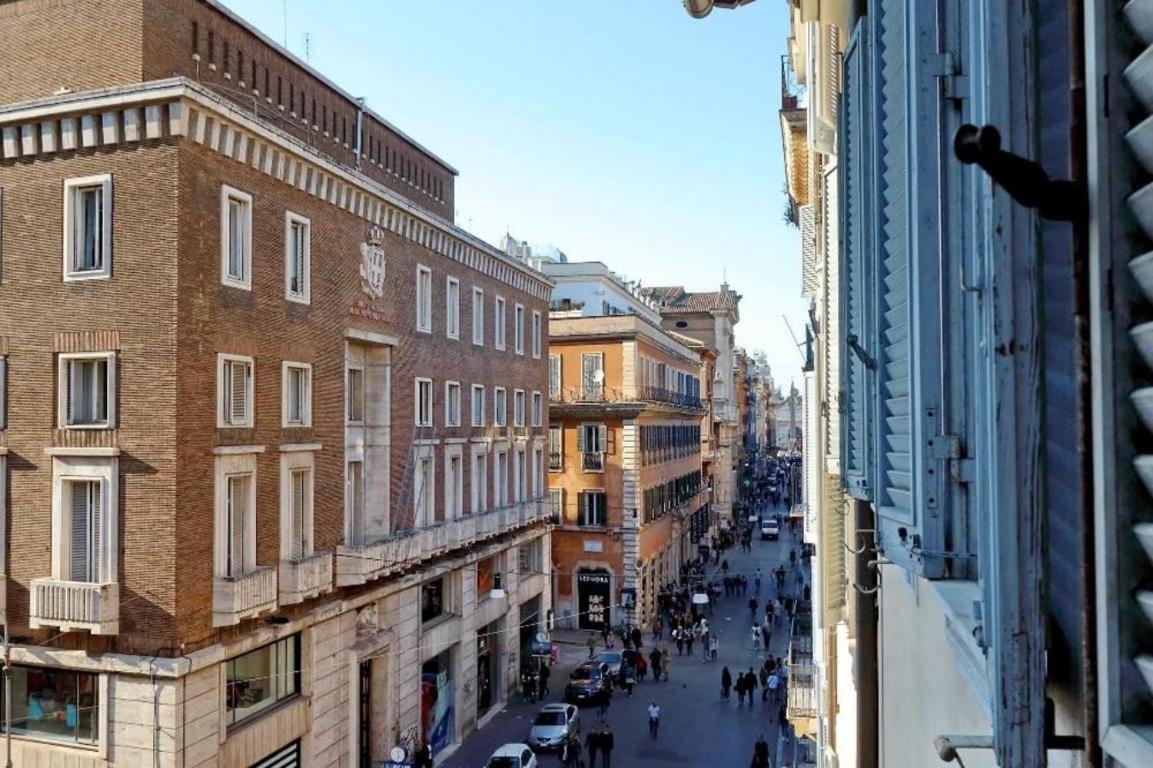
<point x="594" y="598"/>
<point x="437" y="702"/>
<point x="530" y="624"/>
<point x="488" y="643"/>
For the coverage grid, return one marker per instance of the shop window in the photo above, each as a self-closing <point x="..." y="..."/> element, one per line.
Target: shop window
<point x="259" y="679"/>
<point x="434" y="601"/>
<point x="55" y="704"/>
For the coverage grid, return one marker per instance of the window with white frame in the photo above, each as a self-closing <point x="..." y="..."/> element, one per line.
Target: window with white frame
<point x="354" y="527"/>
<point x="453" y="483"/>
<point x="593" y="509"/>
<point x="234" y="387"/>
<point x="498" y="321"/>
<point x="554" y="377"/>
<point x="452" y="403"/>
<point x="88" y="228"/>
<point x="354" y="394"/>
<point x="479" y="477"/>
<point x="530" y="556"/>
<point x="499" y="407"/>
<point x="477" y="316"/>
<point x="238" y="547"/>
<point x="537" y="409"/>
<point x="556" y="503"/>
<point x="452" y="308"/>
<point x="518" y="407"/>
<point x="500" y="478"/>
<point x="423" y="299"/>
<point x="297" y="388"/>
<point x="477" y="405"/>
<point x="536" y="334"/>
<point x="537" y="471"/>
<point x="297" y="258"/>
<point x="555" y="447"/>
<point x="86" y="390"/>
<point x="86" y="528"/>
<point x="592" y="443"/>
<point x="424" y="484"/>
<point x="520" y="474"/>
<point x="423" y="402"/>
<point x="235" y="238"/>
<point x="518" y="329"/>
<point x="296" y="505"/>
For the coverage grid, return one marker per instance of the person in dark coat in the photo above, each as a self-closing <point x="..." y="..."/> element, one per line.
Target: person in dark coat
<point x="570" y="755"/>
<point x="593" y="746"/>
<point x="750" y="684"/>
<point x="740" y="687"/>
<point x="423" y="755"/>
<point x="726" y="683"/>
<point x="606" y="747"/>
<point x="544" y="675"/>
<point x="636" y="637"/>
<point x="761" y="753"/>
<point x="655" y="663"/>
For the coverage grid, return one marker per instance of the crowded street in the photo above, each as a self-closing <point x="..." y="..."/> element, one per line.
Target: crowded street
<point x="697" y="727"/>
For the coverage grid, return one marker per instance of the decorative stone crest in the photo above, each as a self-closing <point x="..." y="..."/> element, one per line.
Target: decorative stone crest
<point x="367" y="621"/>
<point x="372" y="264"/>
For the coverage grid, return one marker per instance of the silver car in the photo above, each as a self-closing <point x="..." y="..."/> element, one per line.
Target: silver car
<point x="553" y="724"/>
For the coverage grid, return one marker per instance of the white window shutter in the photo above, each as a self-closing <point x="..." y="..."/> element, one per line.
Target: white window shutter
<point x="299" y="482"/>
<point x="858" y="347"/>
<point x="823" y="82"/>
<point x="554" y="374"/>
<point x="807" y="217"/>
<point x="80" y="539"/>
<point x="831" y="333"/>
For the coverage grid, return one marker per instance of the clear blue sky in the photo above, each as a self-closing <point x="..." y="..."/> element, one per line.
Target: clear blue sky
<point x="624" y="132"/>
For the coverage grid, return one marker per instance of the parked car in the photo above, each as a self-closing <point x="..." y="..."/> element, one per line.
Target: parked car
<point x="512" y="756"/>
<point x="553" y="724"/>
<point x="770" y="529"/>
<point x="590" y="682"/>
<point x="613" y="659"/>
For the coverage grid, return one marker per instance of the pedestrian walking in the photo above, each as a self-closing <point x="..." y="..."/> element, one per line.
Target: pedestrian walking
<point x="725" y="566"/>
<point x="654" y="719"/>
<point x="635" y="636"/>
<point x="423" y="757"/>
<point x="751" y="684"/>
<point x="666" y="663"/>
<point x="689" y="641"/>
<point x="606" y="747"/>
<point x="642" y="668"/>
<point x="679" y="639"/>
<point x="603" y="702"/>
<point x="783" y="719"/>
<point x="726" y="683"/>
<point x="655" y="661"/>
<point x="544" y="676"/>
<point x="740" y="686"/>
<point x="593" y="746"/>
<point x="753" y="610"/>
<point x="592" y="645"/>
<point x="757" y="581"/>
<point x="714" y="646"/>
<point x="774" y="685"/>
<point x="657" y="627"/>
<point x="756" y="640"/>
<point x="570" y="755"/>
<point x="761" y="753"/>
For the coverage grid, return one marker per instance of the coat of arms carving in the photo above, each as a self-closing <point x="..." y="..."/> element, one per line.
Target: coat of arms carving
<point x="372" y="264"/>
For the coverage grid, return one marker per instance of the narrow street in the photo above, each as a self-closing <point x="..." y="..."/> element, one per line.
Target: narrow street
<point x="697" y="727"/>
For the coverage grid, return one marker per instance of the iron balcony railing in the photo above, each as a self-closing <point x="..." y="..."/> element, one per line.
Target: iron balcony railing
<point x="593" y="461"/>
<point x="601" y="394"/>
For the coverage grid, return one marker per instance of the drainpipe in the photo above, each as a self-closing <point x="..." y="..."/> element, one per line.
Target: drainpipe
<point x="1078" y="172"/>
<point x="865" y="595"/>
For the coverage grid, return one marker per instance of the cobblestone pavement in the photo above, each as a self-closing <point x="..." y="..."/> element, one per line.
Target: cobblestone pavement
<point x="697" y="727"/>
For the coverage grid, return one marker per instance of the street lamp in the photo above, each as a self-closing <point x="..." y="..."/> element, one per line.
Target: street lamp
<point x="699" y="9"/>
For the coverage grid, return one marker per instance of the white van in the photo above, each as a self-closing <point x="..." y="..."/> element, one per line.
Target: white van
<point x="770" y="529"/>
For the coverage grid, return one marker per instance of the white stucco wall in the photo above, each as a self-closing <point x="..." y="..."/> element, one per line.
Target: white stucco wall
<point x="923" y="692"/>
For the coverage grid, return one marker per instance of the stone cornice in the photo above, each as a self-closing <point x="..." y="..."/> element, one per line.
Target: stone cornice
<point x="179" y="108"/>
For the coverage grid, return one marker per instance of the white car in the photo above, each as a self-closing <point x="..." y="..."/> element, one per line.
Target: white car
<point x="512" y="756"/>
<point x="770" y="529"/>
<point x="553" y="724"/>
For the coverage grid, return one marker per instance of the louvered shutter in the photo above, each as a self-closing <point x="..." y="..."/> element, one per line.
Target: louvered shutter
<point x="857" y="292"/>
<point x="593" y="385"/>
<point x="80" y="541"/>
<point x="821" y="46"/>
<point x="831" y="556"/>
<point x="3" y="391"/>
<point x="554" y="371"/>
<point x="831" y="331"/>
<point x="237" y="510"/>
<point x="807" y="218"/>
<point x="910" y="505"/>
<point x="603" y="439"/>
<point x="299" y="489"/>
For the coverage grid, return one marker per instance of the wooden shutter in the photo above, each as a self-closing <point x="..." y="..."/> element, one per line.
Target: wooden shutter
<point x="603" y="437"/>
<point x="554" y="376"/>
<point x="237" y="511"/>
<point x="591" y="363"/>
<point x="858" y="344"/>
<point x="807" y="217"/>
<point x="299" y="483"/>
<point x="238" y="378"/>
<point x="581" y="441"/>
<point x="80" y="530"/>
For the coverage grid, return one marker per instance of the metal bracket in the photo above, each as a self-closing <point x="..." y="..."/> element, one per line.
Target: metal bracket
<point x="944" y="66"/>
<point x="860" y="352"/>
<point x="948" y="448"/>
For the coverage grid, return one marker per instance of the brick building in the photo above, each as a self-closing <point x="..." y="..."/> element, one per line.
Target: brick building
<point x="271" y="425"/>
<point x="625" y="440"/>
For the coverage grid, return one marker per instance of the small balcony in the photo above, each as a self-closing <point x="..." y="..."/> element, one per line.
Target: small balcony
<point x="593" y="461"/>
<point x="555" y="461"/>
<point x="305" y="578"/>
<point x="361" y="563"/>
<point x="246" y="596"/>
<point x="74" y="605"/>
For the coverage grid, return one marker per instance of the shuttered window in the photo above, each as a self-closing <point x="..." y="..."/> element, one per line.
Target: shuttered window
<point x="236" y="391"/>
<point x="300" y="488"/>
<point x="498" y="323"/>
<point x="238" y="550"/>
<point x="555" y="447"/>
<point x="518" y="407"/>
<point x="88" y="221"/>
<point x="86" y="531"/>
<point x="858" y="342"/>
<point x="235" y="238"/>
<point x="806" y="215"/>
<point x="593" y="509"/>
<point x="452" y="308"/>
<point x="554" y="377"/>
<point x="477" y="405"/>
<point x="499" y="407"/>
<point x="478" y="317"/>
<point x="423" y="299"/>
<point x="354" y="503"/>
<point x="536" y="334"/>
<point x="423" y="402"/>
<point x="354" y="395"/>
<point x="592" y="376"/>
<point x="297" y="395"/>
<point x="452" y="404"/>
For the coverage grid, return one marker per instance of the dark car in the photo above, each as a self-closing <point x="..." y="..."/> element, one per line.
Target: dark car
<point x="588" y="683"/>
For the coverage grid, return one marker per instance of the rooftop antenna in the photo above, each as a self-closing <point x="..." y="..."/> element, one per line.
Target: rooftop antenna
<point x="284" y="8"/>
<point x="307" y="48"/>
